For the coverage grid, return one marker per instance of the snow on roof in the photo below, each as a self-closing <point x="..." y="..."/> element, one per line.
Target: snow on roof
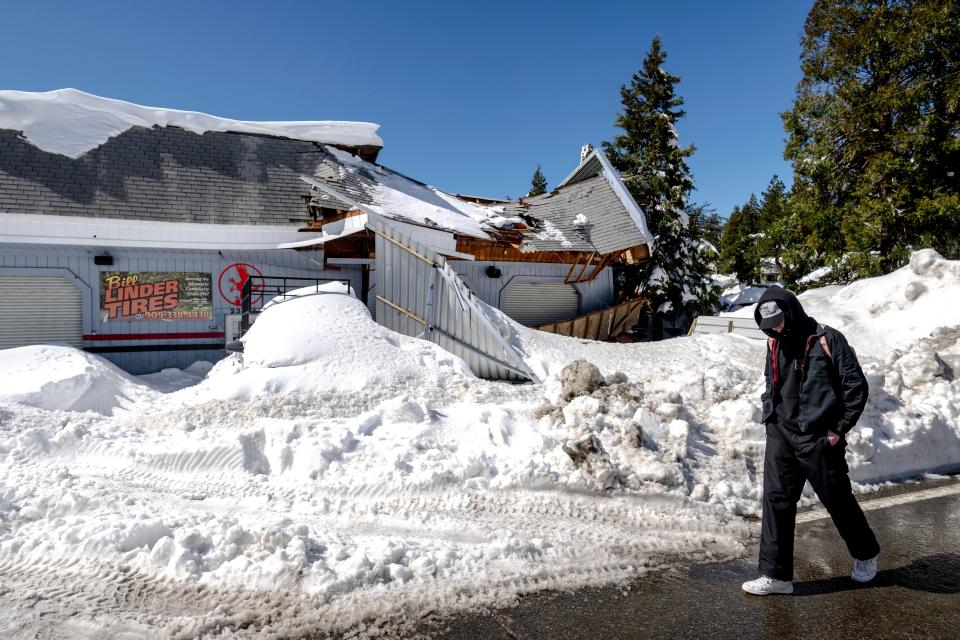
<point x="396" y="196"/>
<point x="71" y="122"/>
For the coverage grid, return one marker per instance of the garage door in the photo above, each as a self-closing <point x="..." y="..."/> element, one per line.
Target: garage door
<point x="39" y="311"/>
<point x="533" y="303"/>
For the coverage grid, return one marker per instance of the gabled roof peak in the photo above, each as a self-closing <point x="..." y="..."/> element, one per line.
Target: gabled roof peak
<point x="596" y="163"/>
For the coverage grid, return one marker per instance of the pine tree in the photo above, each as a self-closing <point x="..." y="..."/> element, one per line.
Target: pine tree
<point x="874" y="133"/>
<point x="777" y="226"/>
<point x="538" y="184"/>
<point x="705" y="223"/>
<point x="653" y="166"/>
<point x="730" y="243"/>
<point x="741" y="251"/>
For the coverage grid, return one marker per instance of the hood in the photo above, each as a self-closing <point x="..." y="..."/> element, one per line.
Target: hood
<point x="797" y="324"/>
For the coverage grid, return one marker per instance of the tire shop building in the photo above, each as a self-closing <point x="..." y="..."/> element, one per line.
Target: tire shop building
<point x="129" y="231"/>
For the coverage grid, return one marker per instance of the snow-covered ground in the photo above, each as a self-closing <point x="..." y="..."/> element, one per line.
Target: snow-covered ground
<point x="345" y="475"/>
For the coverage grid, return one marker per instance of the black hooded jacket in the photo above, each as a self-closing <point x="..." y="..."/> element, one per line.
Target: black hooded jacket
<point x="808" y="388"/>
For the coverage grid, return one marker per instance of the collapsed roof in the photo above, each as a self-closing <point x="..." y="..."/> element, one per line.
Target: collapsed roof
<point x="346" y="182"/>
<point x="590" y="211"/>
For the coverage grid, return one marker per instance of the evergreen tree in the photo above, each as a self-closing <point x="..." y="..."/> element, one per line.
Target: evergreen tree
<point x="538" y="184"/>
<point x="730" y="243"/>
<point x="776" y="225"/>
<point x="653" y="166"/>
<point x="874" y="132"/>
<point x="740" y="248"/>
<point x="705" y="223"/>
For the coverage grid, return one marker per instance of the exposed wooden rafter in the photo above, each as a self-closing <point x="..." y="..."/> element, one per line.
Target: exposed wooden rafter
<point x="317" y="225"/>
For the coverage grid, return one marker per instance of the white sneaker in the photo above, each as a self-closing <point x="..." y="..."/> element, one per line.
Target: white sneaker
<point x="865" y="570"/>
<point x="765" y="585"/>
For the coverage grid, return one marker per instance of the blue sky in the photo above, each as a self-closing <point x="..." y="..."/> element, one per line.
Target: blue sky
<point x="470" y="96"/>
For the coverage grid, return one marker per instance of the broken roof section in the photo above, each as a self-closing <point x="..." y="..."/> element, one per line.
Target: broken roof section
<point x="348" y="182"/>
<point x="71" y="123"/>
<point x="591" y="211"/>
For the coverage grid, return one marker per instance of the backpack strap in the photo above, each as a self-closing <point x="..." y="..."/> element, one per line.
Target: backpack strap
<point x="826" y="347"/>
<point x="772" y="343"/>
<point x="823" y="342"/>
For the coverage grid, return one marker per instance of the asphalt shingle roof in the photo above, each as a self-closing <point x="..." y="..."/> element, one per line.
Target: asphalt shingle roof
<point x="607" y="227"/>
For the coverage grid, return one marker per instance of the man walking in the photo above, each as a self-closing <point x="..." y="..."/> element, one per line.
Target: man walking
<point x="815" y="393"/>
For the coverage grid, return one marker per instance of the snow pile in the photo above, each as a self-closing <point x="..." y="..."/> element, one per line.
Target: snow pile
<point x="54" y="377"/>
<point x="348" y="478"/>
<point x="331" y="511"/>
<point x="71" y="122"/>
<point x="905" y="328"/>
<point x="881" y="314"/>
<point x="169" y="380"/>
<point x="324" y="340"/>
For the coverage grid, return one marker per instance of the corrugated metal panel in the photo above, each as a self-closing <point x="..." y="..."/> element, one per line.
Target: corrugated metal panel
<point x="39" y="311"/>
<point x="534" y="303"/>
<point x="420" y="295"/>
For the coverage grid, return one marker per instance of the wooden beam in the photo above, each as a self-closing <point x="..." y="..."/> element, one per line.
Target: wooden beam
<point x="400" y="309"/>
<point x="317" y="225"/>
<point x="405" y="248"/>
<point x="584" y="270"/>
<point x="506" y="250"/>
<point x="566" y="279"/>
<point x="599" y="268"/>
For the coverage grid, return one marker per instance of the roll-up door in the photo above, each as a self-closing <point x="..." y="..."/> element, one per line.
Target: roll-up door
<point x="533" y="303"/>
<point x="39" y="311"/>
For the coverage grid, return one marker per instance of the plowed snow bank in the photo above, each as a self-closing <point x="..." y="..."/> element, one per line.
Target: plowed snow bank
<point x="347" y="476"/>
<point x="53" y="377"/>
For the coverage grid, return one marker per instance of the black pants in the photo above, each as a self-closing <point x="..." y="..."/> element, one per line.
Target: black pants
<point x="790" y="459"/>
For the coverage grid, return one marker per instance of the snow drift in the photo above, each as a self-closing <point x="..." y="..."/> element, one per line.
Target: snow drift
<point x="881" y="314"/>
<point x="55" y="377"/>
<point x="346" y="477"/>
<point x="324" y="340"/>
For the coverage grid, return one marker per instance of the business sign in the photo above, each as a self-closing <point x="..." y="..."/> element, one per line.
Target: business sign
<point x="234" y="277"/>
<point x="155" y="296"/>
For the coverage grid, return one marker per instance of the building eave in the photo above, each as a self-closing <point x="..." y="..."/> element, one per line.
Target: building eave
<point x="34" y="228"/>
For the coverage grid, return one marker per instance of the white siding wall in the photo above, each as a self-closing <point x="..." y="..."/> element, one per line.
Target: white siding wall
<point x="76" y="265"/>
<point x="593" y="296"/>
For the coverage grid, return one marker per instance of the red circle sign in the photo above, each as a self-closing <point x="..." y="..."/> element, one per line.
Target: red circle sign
<point x="234" y="277"/>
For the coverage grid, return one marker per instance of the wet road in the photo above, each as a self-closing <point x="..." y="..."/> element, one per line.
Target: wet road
<point x="915" y="595"/>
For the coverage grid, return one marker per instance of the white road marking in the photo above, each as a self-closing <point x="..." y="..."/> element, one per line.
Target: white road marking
<point x="882" y="503"/>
